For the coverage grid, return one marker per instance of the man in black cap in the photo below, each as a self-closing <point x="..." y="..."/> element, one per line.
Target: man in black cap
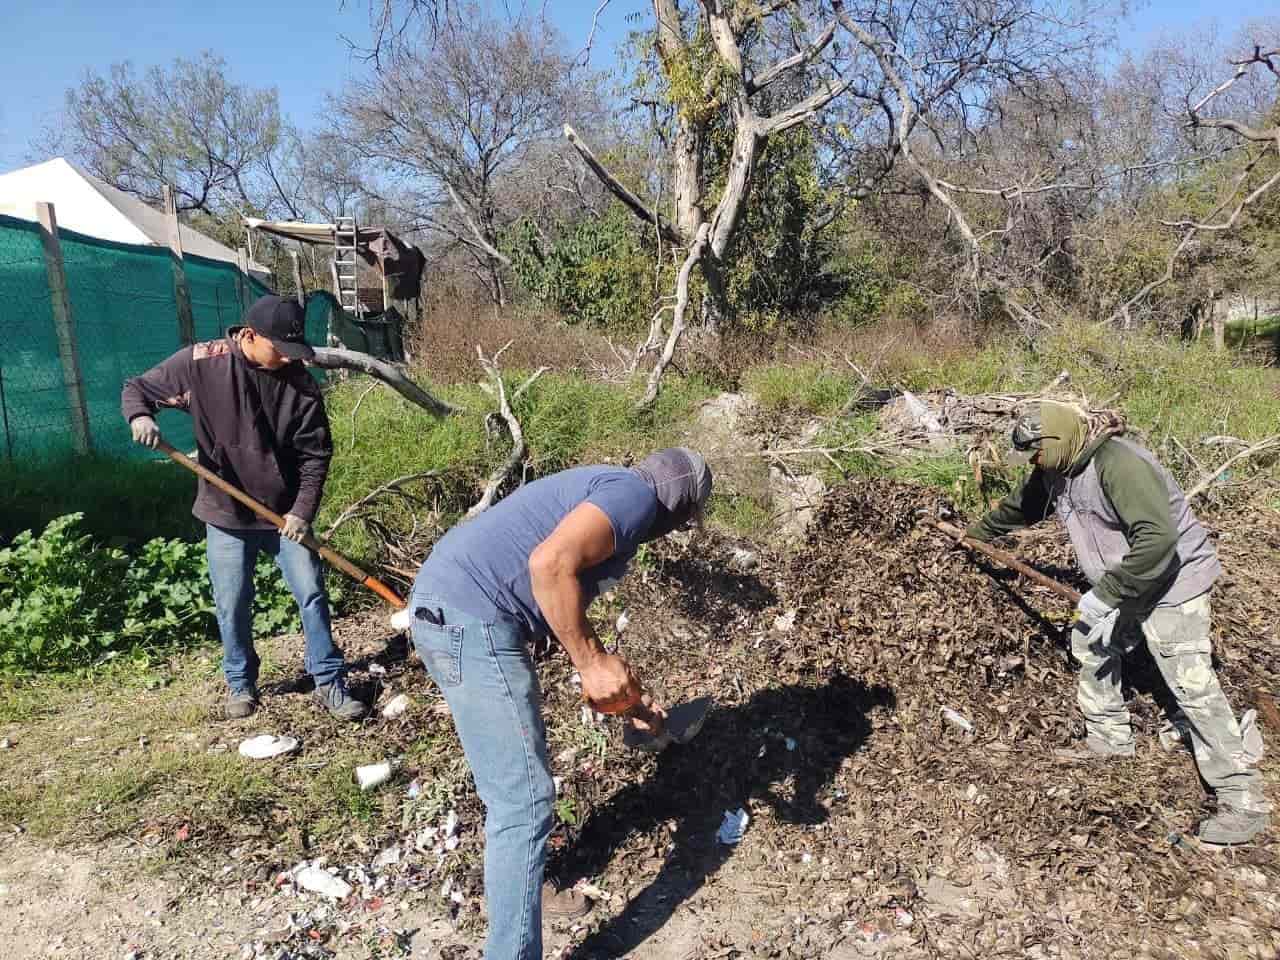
<point x="260" y="424"/>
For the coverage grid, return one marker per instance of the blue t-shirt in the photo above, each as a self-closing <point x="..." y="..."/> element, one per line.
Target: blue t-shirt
<point x="481" y="566"/>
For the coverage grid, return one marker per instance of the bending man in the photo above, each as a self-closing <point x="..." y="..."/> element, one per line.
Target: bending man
<point x="1151" y="564"/>
<point x="527" y="567"/>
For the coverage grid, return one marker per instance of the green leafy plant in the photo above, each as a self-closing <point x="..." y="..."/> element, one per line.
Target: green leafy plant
<point x="67" y="601"/>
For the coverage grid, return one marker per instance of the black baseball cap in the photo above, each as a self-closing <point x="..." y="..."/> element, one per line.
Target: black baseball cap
<point x="280" y="320"/>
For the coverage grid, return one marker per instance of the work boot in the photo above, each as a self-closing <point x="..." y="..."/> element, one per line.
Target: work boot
<point x="241" y="703"/>
<point x="1096" y="748"/>
<point x="564" y="904"/>
<point x="339" y="702"/>
<point x="1231" y="825"/>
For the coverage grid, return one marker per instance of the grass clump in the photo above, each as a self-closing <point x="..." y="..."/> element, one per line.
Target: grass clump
<point x="740" y="513"/>
<point x="803" y="388"/>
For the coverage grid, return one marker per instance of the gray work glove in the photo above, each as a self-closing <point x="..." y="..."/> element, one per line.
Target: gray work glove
<point x="145" y="431"/>
<point x="295" y="528"/>
<point x="1093" y="616"/>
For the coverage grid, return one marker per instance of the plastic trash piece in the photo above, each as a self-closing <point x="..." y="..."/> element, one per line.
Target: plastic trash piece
<point x="733" y="827"/>
<point x="396" y="706"/>
<point x="622" y="622"/>
<point x="322" y="882"/>
<point x="402" y="620"/>
<point x="957" y="720"/>
<point x="373" y="774"/>
<point x="267" y="745"/>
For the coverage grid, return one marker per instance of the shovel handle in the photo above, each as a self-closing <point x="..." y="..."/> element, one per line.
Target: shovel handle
<point x="1009" y="560"/>
<point x="266" y="513"/>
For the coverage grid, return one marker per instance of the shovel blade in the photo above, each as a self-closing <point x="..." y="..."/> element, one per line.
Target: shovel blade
<point x="684" y="722"/>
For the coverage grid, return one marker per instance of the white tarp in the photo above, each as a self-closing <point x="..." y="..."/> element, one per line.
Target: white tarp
<point x="85" y="204"/>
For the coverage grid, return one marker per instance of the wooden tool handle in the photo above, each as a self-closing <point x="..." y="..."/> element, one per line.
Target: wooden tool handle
<point x="1010" y="561"/>
<point x="266" y="513"/>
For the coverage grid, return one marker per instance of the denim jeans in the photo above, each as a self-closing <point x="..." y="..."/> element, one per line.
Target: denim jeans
<point x="485" y="671"/>
<point x="232" y="554"/>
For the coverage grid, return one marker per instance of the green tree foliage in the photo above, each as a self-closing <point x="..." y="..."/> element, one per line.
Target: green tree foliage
<point x="595" y="270"/>
<point x="783" y="259"/>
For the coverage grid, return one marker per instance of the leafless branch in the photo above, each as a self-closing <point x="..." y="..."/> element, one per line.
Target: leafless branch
<point x="476" y="234"/>
<point x="337" y="358"/>
<point x="695" y="254"/>
<point x="518" y="449"/>
<point x="798" y="59"/>
<point x="585" y="56"/>
<point x="615" y="186"/>
<point x="356" y="409"/>
<point x="388" y="487"/>
<point x="1260" y="447"/>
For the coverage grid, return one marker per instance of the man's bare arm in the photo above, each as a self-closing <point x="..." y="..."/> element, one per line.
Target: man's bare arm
<point x="582" y="540"/>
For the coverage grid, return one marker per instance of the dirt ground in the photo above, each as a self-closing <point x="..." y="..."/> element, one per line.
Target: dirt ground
<point x="876" y="827"/>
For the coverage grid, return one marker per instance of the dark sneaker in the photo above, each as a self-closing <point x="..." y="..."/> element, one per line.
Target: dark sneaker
<point x="339" y="702"/>
<point x="1096" y="748"/>
<point x="564" y="904"/>
<point x="241" y="703"/>
<point x="1231" y="825"/>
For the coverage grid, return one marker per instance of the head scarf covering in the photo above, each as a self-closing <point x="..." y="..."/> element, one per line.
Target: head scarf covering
<point x="1065" y="431"/>
<point x="681" y="480"/>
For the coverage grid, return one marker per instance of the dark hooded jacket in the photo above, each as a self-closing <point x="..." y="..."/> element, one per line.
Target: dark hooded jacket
<point x="265" y="431"/>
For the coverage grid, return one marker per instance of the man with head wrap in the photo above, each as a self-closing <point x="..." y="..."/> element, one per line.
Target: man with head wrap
<point x="1151" y="565"/>
<point x="528" y="567"/>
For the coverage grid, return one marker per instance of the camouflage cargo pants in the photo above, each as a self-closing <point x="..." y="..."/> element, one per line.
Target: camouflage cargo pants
<point x="1179" y="641"/>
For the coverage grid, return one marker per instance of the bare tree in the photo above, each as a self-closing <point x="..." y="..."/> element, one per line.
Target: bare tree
<point x="1257" y="176"/>
<point x="924" y="66"/>
<point x="449" y="116"/>
<point x="187" y="125"/>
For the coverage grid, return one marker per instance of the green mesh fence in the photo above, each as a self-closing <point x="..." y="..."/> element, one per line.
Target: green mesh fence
<point x="124" y="320"/>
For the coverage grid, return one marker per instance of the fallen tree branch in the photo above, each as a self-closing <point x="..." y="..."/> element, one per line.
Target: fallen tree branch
<point x="1259" y="447"/>
<point x="356" y="409"/>
<point x="337" y="358"/>
<point x="518" y="448"/>
<point x="388" y="487"/>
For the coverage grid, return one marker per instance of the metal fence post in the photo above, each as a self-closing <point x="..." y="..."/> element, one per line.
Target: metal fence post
<point x="68" y="352"/>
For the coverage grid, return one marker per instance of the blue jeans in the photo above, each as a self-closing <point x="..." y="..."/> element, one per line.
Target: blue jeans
<point x="232" y="555"/>
<point x="485" y="671"/>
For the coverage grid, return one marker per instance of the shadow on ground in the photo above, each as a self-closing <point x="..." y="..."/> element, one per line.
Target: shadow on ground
<point x="723" y="769"/>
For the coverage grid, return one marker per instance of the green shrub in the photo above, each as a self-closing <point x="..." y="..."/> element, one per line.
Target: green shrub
<point x="595" y="270"/>
<point x="804" y="388"/>
<point x="67" y="601"/>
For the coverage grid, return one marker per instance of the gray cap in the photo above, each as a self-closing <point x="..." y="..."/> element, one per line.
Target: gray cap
<point x="681" y="480"/>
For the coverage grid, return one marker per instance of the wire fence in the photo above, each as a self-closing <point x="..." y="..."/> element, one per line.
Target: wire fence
<point x="123" y="319"/>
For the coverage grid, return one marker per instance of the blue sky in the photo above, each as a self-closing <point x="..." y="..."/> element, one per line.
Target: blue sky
<point x="297" y="45"/>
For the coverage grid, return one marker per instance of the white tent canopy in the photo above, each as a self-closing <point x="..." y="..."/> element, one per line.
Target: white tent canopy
<point x="85" y="204"/>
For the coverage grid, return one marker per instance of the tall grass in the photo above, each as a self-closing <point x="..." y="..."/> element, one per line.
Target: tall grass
<point x="567" y="420"/>
<point x="123" y="500"/>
